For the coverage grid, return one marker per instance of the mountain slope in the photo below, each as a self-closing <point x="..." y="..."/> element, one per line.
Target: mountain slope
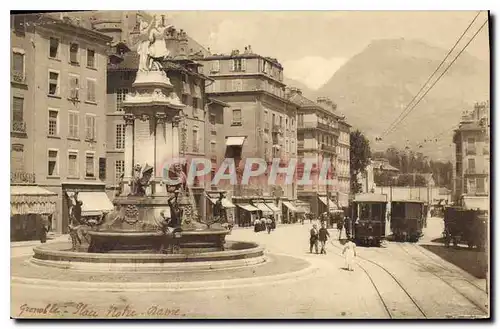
<point x="373" y="88"/>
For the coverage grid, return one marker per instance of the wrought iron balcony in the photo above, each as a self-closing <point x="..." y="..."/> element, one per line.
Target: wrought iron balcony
<point x="18" y="77"/>
<point x="22" y="177"/>
<point x="328" y="148"/>
<point x="18" y="126"/>
<point x="471" y="151"/>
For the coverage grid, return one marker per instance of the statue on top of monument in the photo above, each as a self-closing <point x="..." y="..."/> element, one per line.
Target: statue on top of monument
<point x="152" y="47"/>
<point x="141" y="179"/>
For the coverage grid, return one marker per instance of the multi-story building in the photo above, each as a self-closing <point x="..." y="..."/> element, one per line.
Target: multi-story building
<point x="58" y="110"/>
<point x="259" y="123"/>
<point x="472" y="153"/>
<point x="319" y="129"/>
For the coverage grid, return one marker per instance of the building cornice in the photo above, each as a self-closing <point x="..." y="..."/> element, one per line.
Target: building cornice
<point x="52" y="24"/>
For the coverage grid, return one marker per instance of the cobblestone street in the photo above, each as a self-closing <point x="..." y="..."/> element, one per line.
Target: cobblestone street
<point x="410" y="282"/>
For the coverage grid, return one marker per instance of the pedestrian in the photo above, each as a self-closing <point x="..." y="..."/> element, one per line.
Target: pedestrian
<point x="44" y="228"/>
<point x="349" y="252"/>
<point x="347" y="224"/>
<point x="323" y="237"/>
<point x="269" y="225"/>
<point x="256" y="226"/>
<point x="340" y="226"/>
<point x="313" y="239"/>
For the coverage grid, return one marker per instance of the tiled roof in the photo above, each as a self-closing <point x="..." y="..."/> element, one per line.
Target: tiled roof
<point x="302" y="101"/>
<point x="384" y="166"/>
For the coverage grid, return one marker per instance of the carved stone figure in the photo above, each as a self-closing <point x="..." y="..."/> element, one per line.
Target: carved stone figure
<point x="152" y="46"/>
<point x="175" y="210"/>
<point x="219" y="211"/>
<point x="140" y="181"/>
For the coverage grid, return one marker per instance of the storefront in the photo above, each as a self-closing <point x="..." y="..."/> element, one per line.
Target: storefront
<point x="28" y="205"/>
<point x="264" y="210"/>
<point x="246" y="214"/>
<point x="290" y="212"/>
<point x="229" y="207"/>
<point x="94" y="204"/>
<point x="327" y="205"/>
<point x="276" y="211"/>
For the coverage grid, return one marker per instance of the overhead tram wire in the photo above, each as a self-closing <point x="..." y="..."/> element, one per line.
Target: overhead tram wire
<point x="439" y="78"/>
<point x="432" y="75"/>
<point x="434" y="137"/>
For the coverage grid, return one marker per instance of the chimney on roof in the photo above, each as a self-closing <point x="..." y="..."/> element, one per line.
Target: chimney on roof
<point x="294" y="91"/>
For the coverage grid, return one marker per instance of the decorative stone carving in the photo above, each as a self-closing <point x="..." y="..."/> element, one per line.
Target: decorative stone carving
<point x="176" y="121"/>
<point x="144" y="117"/>
<point x="131" y="214"/>
<point x="161" y="118"/>
<point x="140" y="180"/>
<point x="152" y="47"/>
<point x="129" y="119"/>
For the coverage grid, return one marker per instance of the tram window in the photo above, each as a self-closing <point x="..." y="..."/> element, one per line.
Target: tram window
<point x="376" y="211"/>
<point x="398" y="210"/>
<point x="413" y="210"/>
<point x="365" y="211"/>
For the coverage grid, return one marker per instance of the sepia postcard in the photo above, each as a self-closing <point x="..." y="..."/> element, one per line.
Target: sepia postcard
<point x="250" y="165"/>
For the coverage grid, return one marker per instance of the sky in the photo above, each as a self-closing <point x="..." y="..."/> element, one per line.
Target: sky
<point x="312" y="45"/>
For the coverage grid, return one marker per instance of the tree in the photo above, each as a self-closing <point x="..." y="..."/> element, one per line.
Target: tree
<point x="359" y="157"/>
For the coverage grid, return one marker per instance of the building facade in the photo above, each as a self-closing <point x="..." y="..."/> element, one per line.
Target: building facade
<point x="320" y="128"/>
<point x="58" y="108"/>
<point x="472" y="153"/>
<point x="259" y="123"/>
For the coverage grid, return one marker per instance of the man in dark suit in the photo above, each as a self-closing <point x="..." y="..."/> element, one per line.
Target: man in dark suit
<point x="313" y="239"/>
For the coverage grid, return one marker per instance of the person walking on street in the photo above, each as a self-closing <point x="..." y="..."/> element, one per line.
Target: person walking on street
<point x="313" y="240"/>
<point x="340" y="226"/>
<point x="349" y="252"/>
<point x="323" y="237"/>
<point x="269" y="224"/>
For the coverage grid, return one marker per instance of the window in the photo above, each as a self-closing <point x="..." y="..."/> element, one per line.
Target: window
<point x="120" y="97"/>
<point x="213" y="147"/>
<point x="237" y="117"/>
<point x="73" y="164"/>
<point x="215" y="66"/>
<point x="17" y="157"/>
<point x="264" y="66"/>
<point x="53" y="163"/>
<point x="274" y="119"/>
<point x="54" y="48"/>
<point x="91" y="58"/>
<point x="90" y="127"/>
<point x="185" y="99"/>
<point x="74" y="85"/>
<point x="195" y="141"/>
<point x="480" y="185"/>
<point x="89" y="165"/>
<point x="472" y="186"/>
<point x="196" y="104"/>
<point x="471" y="168"/>
<point x="53" y="122"/>
<point x="18" y="66"/>
<point x="300" y="120"/>
<point x="102" y="168"/>
<point x="239" y="64"/>
<point x="212" y="118"/>
<point x="17" y="109"/>
<point x="73" y="53"/>
<point x="73" y="124"/>
<point x="53" y="83"/>
<point x="120" y="136"/>
<point x="119" y="169"/>
<point x="91" y="90"/>
<point x="19" y="24"/>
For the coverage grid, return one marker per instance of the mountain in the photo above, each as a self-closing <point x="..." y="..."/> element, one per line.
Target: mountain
<point x="374" y="87"/>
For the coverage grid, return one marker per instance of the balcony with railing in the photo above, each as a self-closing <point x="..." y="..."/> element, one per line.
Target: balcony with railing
<point x="300" y="144"/>
<point x="475" y="171"/>
<point x="277" y="129"/>
<point x="328" y="148"/>
<point x="18" y="77"/>
<point x="471" y="151"/>
<point x="18" y="127"/>
<point x="22" y="177"/>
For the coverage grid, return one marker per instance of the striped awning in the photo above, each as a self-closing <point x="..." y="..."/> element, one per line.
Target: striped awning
<point x="290" y="206"/>
<point x="225" y="202"/>
<point x="31" y="200"/>
<point x="262" y="207"/>
<point x="94" y="203"/>
<point x="273" y="207"/>
<point x="248" y="207"/>
<point x="332" y="204"/>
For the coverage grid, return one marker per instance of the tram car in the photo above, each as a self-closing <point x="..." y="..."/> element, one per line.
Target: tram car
<point x="466" y="223"/>
<point x="368" y="211"/>
<point x="407" y="219"/>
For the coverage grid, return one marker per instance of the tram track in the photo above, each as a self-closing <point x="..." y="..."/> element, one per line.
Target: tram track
<point x="428" y="269"/>
<point x="392" y="312"/>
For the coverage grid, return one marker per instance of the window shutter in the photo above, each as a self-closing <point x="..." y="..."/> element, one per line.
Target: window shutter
<point x="243" y="64"/>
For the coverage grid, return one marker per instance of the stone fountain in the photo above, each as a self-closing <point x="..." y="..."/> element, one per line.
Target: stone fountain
<point x="154" y="221"/>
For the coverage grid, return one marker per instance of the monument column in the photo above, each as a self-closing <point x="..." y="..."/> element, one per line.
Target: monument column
<point x="175" y="136"/>
<point x="161" y="151"/>
<point x="129" y="149"/>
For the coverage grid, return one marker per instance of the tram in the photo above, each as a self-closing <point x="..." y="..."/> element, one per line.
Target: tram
<point x="368" y="211"/>
<point x="407" y="219"/>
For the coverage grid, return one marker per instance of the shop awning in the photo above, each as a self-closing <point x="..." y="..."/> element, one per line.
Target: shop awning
<point x="235" y="141"/>
<point x="481" y="203"/>
<point x="299" y="208"/>
<point x="273" y="207"/>
<point x="94" y="203"/>
<point x="248" y="207"/>
<point x="225" y="202"/>
<point x="332" y="204"/>
<point x="290" y="206"/>
<point x="262" y="207"/>
<point x="31" y="200"/>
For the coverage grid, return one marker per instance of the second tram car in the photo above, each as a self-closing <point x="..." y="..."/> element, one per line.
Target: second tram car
<point x="369" y="214"/>
<point x="407" y="219"/>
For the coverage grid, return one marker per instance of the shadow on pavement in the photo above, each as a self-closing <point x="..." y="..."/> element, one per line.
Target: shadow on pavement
<point x="472" y="261"/>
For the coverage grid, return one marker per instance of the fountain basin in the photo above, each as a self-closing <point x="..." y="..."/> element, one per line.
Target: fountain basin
<point x="187" y="241"/>
<point x="235" y="254"/>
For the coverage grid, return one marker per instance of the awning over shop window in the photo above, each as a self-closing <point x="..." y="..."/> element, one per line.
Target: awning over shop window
<point x="262" y="207"/>
<point x="235" y="141"/>
<point x="273" y="207"/>
<point x="332" y="204"/>
<point x="225" y="202"/>
<point x="481" y="203"/>
<point x="290" y="206"/>
<point x="299" y="208"/>
<point x="248" y="207"/>
<point x="94" y="203"/>
<point x="31" y="200"/>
